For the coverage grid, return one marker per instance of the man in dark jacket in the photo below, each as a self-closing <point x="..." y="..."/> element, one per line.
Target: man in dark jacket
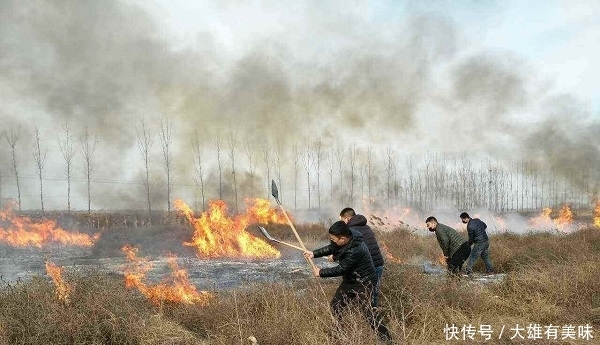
<point x="359" y="222"/>
<point x="478" y="237"/>
<point x="355" y="266"/>
<point x="455" y="247"/>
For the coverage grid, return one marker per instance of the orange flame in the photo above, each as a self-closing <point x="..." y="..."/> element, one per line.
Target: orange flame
<point x="388" y="254"/>
<point x="216" y="234"/>
<point x="565" y="216"/>
<point x="564" y="222"/>
<point x="543" y="220"/>
<point x="442" y="260"/>
<point x="63" y="290"/>
<point x="179" y="291"/>
<point x="23" y="232"/>
<point x="597" y="214"/>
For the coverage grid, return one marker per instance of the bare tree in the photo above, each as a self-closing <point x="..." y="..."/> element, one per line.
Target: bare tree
<point x="331" y="160"/>
<point x="145" y="142"/>
<point x="218" y="143"/>
<point x="88" y="146"/>
<point x="396" y="183"/>
<point x="410" y="185"/>
<point x="369" y="171"/>
<point x="427" y="178"/>
<point x="199" y="179"/>
<point x="523" y="188"/>
<point x="389" y="174"/>
<point x="231" y="142"/>
<point x="266" y="156"/>
<point x="362" y="172"/>
<point x="318" y="160"/>
<point x="307" y="162"/>
<point x="340" y="160"/>
<point x="68" y="152"/>
<point x="40" y="161"/>
<point x="166" y="140"/>
<point x="296" y="161"/>
<point x="12" y="136"/>
<point x="249" y="149"/>
<point x="278" y="160"/>
<point x="352" y="155"/>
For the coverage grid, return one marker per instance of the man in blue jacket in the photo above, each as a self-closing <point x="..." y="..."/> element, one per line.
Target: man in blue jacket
<point x="355" y="266"/>
<point x="478" y="237"/>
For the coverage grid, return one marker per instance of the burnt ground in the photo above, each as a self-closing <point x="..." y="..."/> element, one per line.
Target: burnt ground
<point x="156" y="243"/>
<point x="206" y="274"/>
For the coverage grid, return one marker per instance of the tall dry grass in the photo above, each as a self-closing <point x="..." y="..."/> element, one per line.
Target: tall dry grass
<point x="550" y="280"/>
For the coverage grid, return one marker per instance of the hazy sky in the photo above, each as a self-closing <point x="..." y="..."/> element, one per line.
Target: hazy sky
<point x="558" y="40"/>
<point x="505" y="80"/>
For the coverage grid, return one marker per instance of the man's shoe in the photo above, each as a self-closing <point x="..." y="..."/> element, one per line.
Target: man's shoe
<point x="385" y="339"/>
<point x="490" y="274"/>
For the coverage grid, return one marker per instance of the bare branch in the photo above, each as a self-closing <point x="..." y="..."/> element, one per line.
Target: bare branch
<point x="40" y="162"/>
<point x="88" y="146"/>
<point x="166" y="140"/>
<point x="145" y="142"/>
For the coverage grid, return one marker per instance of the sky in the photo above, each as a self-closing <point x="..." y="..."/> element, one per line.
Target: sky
<point x="558" y="39"/>
<point x="502" y="80"/>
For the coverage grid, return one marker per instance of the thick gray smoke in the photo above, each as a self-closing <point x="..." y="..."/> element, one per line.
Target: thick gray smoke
<point x="413" y="86"/>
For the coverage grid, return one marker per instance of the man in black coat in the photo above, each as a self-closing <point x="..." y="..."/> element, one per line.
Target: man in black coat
<point x="355" y="266"/>
<point x="359" y="222"/>
<point x="478" y="237"/>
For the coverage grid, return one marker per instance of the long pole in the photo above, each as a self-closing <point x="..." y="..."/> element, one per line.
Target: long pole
<point x="275" y="193"/>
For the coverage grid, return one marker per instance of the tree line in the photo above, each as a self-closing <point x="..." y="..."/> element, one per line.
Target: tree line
<point x="311" y="175"/>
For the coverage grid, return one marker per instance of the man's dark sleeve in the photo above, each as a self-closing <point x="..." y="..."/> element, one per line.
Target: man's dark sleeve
<point x="323" y="251"/>
<point x="471" y="232"/>
<point x="349" y="261"/>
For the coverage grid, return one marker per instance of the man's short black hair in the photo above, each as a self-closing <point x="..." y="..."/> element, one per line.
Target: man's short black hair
<point x="464" y="215"/>
<point x="339" y="228"/>
<point x="347" y="212"/>
<point x="430" y="218"/>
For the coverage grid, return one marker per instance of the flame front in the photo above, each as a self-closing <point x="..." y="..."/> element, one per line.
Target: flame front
<point x="597" y="214"/>
<point x="442" y="260"/>
<point x="388" y="254"/>
<point x="180" y="290"/>
<point x="63" y="290"/>
<point x="23" y="232"/>
<point x="565" y="216"/>
<point x="543" y="220"/>
<point x="564" y="221"/>
<point x="216" y="234"/>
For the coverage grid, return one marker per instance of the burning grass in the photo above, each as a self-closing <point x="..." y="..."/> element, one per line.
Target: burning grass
<point x="22" y="231"/>
<point x="219" y="234"/>
<point x="551" y="280"/>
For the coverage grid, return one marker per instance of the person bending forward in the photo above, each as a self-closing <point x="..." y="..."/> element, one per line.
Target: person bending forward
<point x="356" y="268"/>
<point x="455" y="248"/>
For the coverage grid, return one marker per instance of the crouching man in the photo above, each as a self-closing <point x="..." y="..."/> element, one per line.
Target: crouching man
<point x="456" y="249"/>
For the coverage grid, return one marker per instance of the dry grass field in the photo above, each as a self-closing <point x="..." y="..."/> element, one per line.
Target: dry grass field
<point x="550" y="294"/>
